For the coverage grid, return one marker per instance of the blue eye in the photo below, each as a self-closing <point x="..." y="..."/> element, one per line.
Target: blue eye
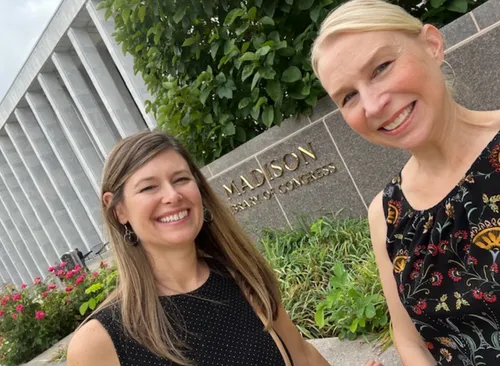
<point x="348" y="97"/>
<point x="146" y="189"/>
<point x="381" y="68"/>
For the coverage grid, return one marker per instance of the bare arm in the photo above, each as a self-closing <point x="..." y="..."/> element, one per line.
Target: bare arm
<point x="302" y="352"/>
<point x="410" y="346"/>
<point x="92" y="346"/>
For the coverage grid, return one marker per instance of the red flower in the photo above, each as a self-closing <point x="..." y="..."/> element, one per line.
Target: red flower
<point x="467" y="248"/>
<point x="5" y="300"/>
<point x="401" y="287"/>
<point x="60" y="273"/>
<point x="69" y="274"/>
<point x="418" y="264"/>
<point x="19" y="308"/>
<point x="414" y="274"/>
<point x="494" y="268"/>
<point x="39" y="315"/>
<point x="436" y="279"/>
<point x="16" y="297"/>
<point x="454" y="274"/>
<point x="14" y="316"/>
<point x="69" y="288"/>
<point x="23" y="286"/>
<point x="52" y="269"/>
<point x="44" y="294"/>
<point x="2" y="313"/>
<point x="432" y="249"/>
<point x="477" y="293"/>
<point x="37" y="280"/>
<point x="62" y="265"/>
<point x="51" y="286"/>
<point x="417" y="310"/>
<point x="79" y="279"/>
<point x="430" y="345"/>
<point x="442" y="246"/>
<point x="422" y="304"/>
<point x="462" y="234"/>
<point x="489" y="297"/>
<point x="471" y="260"/>
<point x="420" y="249"/>
<point x="494" y="160"/>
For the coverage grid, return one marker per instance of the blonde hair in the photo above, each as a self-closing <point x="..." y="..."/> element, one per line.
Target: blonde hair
<point x="363" y="16"/>
<point x="223" y="239"/>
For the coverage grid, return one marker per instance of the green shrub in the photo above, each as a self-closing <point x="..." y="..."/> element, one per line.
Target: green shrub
<point x="37" y="317"/>
<point x="329" y="280"/>
<point x="222" y="71"/>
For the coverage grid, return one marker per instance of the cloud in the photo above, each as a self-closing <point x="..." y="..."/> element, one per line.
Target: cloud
<point x="21" y="24"/>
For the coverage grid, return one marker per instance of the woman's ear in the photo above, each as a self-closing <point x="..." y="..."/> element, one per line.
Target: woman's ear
<point x="434" y="42"/>
<point x="120" y="211"/>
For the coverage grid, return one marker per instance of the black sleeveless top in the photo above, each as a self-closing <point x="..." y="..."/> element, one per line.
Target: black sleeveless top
<point x="216" y="321"/>
<point x="446" y="266"/>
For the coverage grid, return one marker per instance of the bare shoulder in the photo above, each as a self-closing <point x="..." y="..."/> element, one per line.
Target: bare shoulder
<point x="91" y="345"/>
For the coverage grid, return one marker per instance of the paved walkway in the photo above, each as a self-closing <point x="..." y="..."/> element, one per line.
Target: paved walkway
<point x="338" y="353"/>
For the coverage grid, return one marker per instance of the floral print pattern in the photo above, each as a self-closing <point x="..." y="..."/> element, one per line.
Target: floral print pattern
<point x="446" y="264"/>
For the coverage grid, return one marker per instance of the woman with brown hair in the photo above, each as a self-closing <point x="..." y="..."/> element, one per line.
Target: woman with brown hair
<point x="193" y="289"/>
<point x="436" y="226"/>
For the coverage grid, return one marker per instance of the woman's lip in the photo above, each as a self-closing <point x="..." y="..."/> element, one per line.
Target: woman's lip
<point x="402" y="126"/>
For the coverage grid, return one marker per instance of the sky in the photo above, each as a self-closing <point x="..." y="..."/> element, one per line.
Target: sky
<point x="21" y="24"/>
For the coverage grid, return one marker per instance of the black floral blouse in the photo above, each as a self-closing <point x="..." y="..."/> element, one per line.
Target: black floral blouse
<point x="446" y="264"/>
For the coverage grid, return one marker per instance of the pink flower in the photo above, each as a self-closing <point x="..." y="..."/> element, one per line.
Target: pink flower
<point x="19" y="308"/>
<point x="51" y="286"/>
<point x="16" y="297"/>
<point x="5" y="300"/>
<point x="69" y="288"/>
<point x="23" y="286"/>
<point x="60" y="273"/>
<point x="14" y="316"/>
<point x="477" y="293"/>
<point x="63" y="264"/>
<point x="52" y="269"/>
<point x="44" y="294"/>
<point x="69" y="275"/>
<point x="95" y="274"/>
<point x="37" y="280"/>
<point x="77" y="268"/>
<point x="2" y="313"/>
<point x="39" y="315"/>
<point x="79" y="279"/>
<point x="436" y="279"/>
<point x="489" y="297"/>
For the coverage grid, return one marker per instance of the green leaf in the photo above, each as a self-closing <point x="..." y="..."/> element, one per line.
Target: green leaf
<point x="204" y="94"/>
<point x="244" y="47"/>
<point x="314" y="14"/>
<point x="273" y="89"/>
<point x="232" y="16"/>
<point x="142" y="13"/>
<point x="252" y="13"/>
<point x="241" y="29"/>
<point x="240" y="134"/>
<point x="125" y="15"/>
<point x="208" y="119"/>
<point x="370" y="311"/>
<point x="305" y="4"/>
<point x="191" y="41"/>
<point x="255" y="80"/>
<point x="458" y="6"/>
<point x="244" y="103"/>
<point x="220" y="78"/>
<point x="179" y="14"/>
<point x="108" y="13"/>
<point x="268" y="116"/>
<point x="213" y="49"/>
<point x="92" y="303"/>
<point x="354" y="326"/>
<point x="291" y="74"/>
<point x="247" y="71"/>
<point x="266" y="21"/>
<point x="289" y="2"/>
<point x="229" y="129"/>
<point x="83" y="308"/>
<point x="267" y="72"/>
<point x="437" y="3"/>
<point x="319" y="317"/>
<point x="139" y="47"/>
<point x="249" y="56"/>
<point x="263" y="51"/>
<point x="224" y="92"/>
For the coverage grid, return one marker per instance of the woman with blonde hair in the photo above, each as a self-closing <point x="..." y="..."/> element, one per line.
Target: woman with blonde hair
<point x="436" y="226"/>
<point x="193" y="290"/>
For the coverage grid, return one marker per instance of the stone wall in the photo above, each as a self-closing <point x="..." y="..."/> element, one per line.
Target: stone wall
<point x="315" y="165"/>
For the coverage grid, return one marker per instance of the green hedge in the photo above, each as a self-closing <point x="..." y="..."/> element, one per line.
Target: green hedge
<point x="222" y="71"/>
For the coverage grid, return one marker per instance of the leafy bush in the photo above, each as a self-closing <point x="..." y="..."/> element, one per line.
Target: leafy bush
<point x="38" y="316"/>
<point x="223" y="71"/>
<point x="329" y="280"/>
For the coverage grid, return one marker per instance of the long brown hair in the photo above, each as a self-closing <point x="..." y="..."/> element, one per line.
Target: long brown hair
<point x="222" y="239"/>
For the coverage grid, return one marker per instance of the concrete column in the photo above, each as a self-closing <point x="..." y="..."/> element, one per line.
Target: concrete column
<point x="85" y="102"/>
<point x="87" y="194"/>
<point x="4" y="274"/>
<point x="119" y="111"/>
<point x="77" y="223"/>
<point x="30" y="204"/>
<point x="53" y="215"/>
<point x="11" y="223"/>
<point x="8" y="265"/>
<point x="124" y="63"/>
<point x="73" y="129"/>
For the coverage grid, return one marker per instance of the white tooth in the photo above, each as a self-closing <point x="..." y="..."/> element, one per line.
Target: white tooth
<point x="400" y="119"/>
<point x="176" y="217"/>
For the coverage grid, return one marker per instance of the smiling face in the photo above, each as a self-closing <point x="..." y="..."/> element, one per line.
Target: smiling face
<point x="388" y="84"/>
<point x="162" y="203"/>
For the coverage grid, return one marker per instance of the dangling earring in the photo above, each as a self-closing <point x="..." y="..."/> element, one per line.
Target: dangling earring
<point x="453" y="72"/>
<point x="130" y="236"/>
<point x="208" y="216"/>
